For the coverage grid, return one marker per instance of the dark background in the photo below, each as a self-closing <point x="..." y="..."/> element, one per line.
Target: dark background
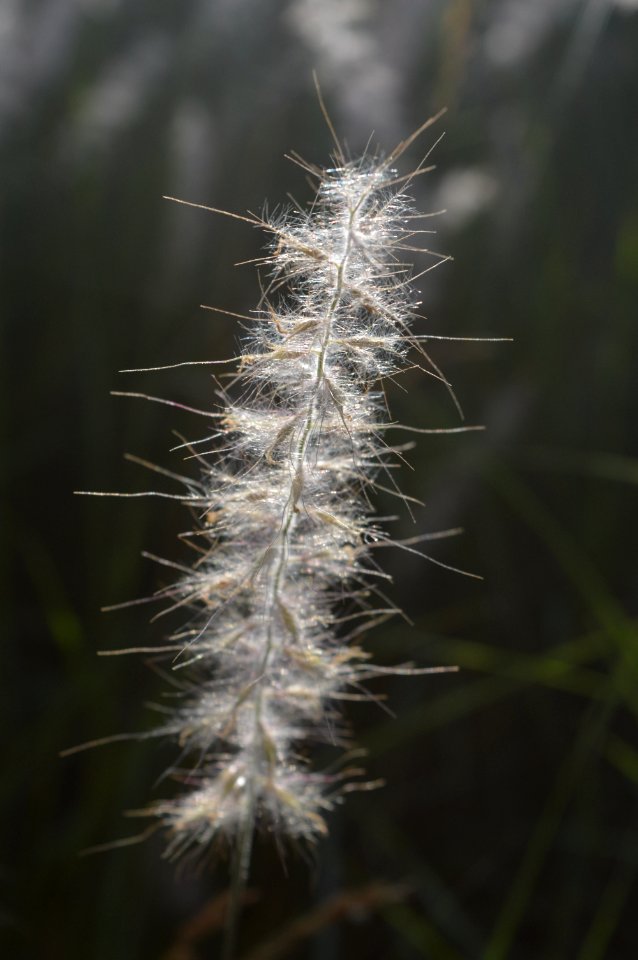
<point x="509" y="816"/>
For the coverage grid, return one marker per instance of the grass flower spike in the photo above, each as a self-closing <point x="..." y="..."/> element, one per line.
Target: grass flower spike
<point x="286" y="578"/>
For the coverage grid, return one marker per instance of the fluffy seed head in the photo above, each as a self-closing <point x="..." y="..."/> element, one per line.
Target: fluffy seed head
<point x="285" y="524"/>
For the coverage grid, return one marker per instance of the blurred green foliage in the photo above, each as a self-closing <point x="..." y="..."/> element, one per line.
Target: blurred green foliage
<point x="509" y="814"/>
